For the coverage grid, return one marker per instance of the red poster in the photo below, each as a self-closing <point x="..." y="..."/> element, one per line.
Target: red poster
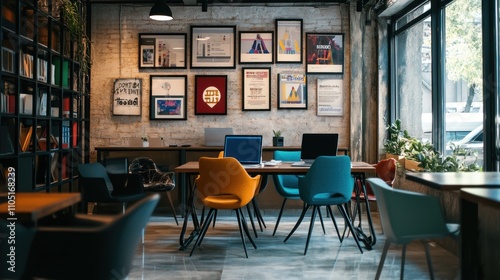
<point x="210" y="95"/>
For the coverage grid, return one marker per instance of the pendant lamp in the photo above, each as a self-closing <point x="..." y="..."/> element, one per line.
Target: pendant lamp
<point x="160" y="11"/>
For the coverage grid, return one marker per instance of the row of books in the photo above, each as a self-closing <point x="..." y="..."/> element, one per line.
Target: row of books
<point x="8" y="104"/>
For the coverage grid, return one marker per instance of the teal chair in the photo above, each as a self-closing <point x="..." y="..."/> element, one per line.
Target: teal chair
<point x="328" y="182"/>
<point x="408" y="216"/>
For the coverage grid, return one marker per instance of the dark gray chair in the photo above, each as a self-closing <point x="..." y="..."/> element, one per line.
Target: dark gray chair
<point x="90" y="247"/>
<point x="99" y="186"/>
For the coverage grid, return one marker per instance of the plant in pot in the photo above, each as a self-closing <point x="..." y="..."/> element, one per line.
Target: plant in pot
<point x="396" y="142"/>
<point x="278" y="140"/>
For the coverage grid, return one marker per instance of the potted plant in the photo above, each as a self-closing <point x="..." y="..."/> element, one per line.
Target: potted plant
<point x="278" y="140"/>
<point x="395" y="143"/>
<point x="145" y="141"/>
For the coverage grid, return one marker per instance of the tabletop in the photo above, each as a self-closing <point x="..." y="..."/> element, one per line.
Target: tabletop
<point x="283" y="168"/>
<point x="30" y="207"/>
<point x="488" y="197"/>
<point x="452" y="181"/>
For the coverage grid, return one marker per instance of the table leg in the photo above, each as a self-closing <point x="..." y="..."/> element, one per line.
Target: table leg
<point x="470" y="257"/>
<point x="190" y="210"/>
<point x="369" y="241"/>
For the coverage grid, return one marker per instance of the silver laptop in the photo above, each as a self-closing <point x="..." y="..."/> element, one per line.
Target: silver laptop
<point x="215" y="136"/>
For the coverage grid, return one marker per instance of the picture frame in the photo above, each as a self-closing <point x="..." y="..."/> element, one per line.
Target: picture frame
<point x="256" y="92"/>
<point x="213" y="47"/>
<point x="256" y="47"/>
<point x="325" y="53"/>
<point x="288" y="41"/>
<point x="162" y="50"/>
<point x="168" y="97"/>
<point x="210" y="95"/>
<point x="292" y="91"/>
<point x="330" y="97"/>
<point x="127" y="97"/>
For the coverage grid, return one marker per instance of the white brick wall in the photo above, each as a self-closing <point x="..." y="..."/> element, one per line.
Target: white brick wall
<point x="115" y="32"/>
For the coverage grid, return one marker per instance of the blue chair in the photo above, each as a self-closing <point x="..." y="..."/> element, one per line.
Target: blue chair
<point x="328" y="182"/>
<point x="403" y="224"/>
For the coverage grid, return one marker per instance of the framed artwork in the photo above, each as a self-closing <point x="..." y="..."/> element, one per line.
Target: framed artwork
<point x="292" y="91"/>
<point x="330" y="97"/>
<point x="210" y="95"/>
<point x="165" y="50"/>
<point x="325" y="53"/>
<point x="256" y="47"/>
<point x="288" y="41"/>
<point x="213" y="46"/>
<point x="127" y="94"/>
<point x="256" y="89"/>
<point x="168" y="97"/>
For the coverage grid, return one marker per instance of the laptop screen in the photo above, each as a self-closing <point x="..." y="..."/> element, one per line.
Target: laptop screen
<point x="318" y="144"/>
<point x="247" y="149"/>
<point x="214" y="136"/>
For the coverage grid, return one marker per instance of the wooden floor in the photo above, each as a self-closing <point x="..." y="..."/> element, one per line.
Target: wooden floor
<point x="221" y="254"/>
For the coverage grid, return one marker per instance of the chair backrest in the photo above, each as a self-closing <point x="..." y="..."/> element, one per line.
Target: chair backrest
<point x="219" y="176"/>
<point x="282" y="182"/>
<point x="386" y="170"/>
<point x="328" y="177"/>
<point x="94" y="170"/>
<point x="143" y="166"/>
<point x="407" y="216"/>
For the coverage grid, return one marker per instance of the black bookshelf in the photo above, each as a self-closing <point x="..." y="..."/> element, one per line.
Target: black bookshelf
<point x="44" y="98"/>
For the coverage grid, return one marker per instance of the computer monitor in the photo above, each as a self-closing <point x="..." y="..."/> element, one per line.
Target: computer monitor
<point x="247" y="149"/>
<point x="318" y="144"/>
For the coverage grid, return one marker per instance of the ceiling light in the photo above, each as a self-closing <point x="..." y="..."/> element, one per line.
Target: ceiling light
<point x="160" y="11"/>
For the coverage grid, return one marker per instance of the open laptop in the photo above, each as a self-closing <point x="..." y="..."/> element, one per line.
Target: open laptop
<point x="247" y="149"/>
<point x="215" y="136"/>
<point x="315" y="145"/>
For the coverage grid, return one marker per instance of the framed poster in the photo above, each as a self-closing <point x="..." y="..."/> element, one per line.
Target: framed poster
<point x="292" y="91"/>
<point x="256" y="89"/>
<point x="213" y="46"/>
<point x="127" y="94"/>
<point x="325" y="53"/>
<point x="288" y="41"/>
<point x="168" y="97"/>
<point x="256" y="47"/>
<point x="210" y="95"/>
<point x="165" y="50"/>
<point x="330" y="97"/>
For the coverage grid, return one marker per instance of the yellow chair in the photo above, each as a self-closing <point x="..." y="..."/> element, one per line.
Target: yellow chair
<point x="224" y="184"/>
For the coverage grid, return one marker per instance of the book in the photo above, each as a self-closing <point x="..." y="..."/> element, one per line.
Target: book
<point x="25" y="103"/>
<point x="53" y="167"/>
<point x="42" y="70"/>
<point x="42" y="105"/>
<point x="8" y="60"/>
<point x="26" y="65"/>
<point x="25" y="137"/>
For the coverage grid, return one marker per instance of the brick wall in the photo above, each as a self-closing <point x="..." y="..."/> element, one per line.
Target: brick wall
<point x="115" y="32"/>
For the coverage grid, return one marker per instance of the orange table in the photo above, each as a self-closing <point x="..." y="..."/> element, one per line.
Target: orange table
<point x="31" y="207"/>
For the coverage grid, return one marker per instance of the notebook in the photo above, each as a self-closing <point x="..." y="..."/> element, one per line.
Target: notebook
<point x="315" y="145"/>
<point x="247" y="149"/>
<point x="215" y="136"/>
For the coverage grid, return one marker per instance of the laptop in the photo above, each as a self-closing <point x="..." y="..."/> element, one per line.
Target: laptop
<point x="315" y="145"/>
<point x="247" y="149"/>
<point x="215" y="136"/>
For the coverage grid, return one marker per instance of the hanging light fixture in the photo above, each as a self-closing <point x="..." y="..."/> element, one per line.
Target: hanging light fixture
<point x="160" y="11"/>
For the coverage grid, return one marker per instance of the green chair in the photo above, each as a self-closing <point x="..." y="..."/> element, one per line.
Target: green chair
<point x="408" y="216"/>
<point x="328" y="182"/>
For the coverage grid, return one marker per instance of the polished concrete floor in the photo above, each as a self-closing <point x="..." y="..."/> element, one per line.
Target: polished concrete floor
<point x="221" y="255"/>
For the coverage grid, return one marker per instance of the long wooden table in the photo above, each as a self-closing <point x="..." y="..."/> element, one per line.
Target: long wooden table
<point x="358" y="169"/>
<point x="475" y="188"/>
<point x="29" y="208"/>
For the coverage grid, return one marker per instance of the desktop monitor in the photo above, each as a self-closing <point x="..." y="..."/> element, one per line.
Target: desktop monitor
<point x="318" y="144"/>
<point x="247" y="149"/>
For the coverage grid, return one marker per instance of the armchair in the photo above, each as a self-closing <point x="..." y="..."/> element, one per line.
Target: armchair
<point x="99" y="186"/>
<point x="153" y="179"/>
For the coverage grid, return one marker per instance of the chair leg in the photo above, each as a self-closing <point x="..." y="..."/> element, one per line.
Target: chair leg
<point x="343" y="211"/>
<point x="329" y="208"/>
<point x="203" y="230"/>
<point x="172" y="206"/>
<point x="257" y="214"/>
<point x="321" y="219"/>
<point x="241" y="231"/>
<point x="251" y="220"/>
<point x="279" y="216"/>
<point x="382" y="259"/>
<point x="245" y="227"/>
<point x="428" y="257"/>
<point x="304" y="210"/>
<point x="215" y="217"/>
<point x="403" y="255"/>
<point x="311" y="226"/>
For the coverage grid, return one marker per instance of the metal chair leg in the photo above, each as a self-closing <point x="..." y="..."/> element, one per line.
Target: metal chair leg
<point x="428" y="257"/>
<point x="279" y="216"/>
<point x="382" y="259"/>
<point x="306" y="207"/>
<point x="172" y="206"/>
<point x="311" y="226"/>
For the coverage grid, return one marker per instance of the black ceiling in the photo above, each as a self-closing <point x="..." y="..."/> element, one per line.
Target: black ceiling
<point x="226" y="2"/>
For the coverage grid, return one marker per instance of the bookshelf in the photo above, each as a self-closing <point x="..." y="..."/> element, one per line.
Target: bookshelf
<point x="44" y="97"/>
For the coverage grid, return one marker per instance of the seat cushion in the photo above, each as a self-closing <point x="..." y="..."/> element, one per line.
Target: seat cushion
<point x="222" y="201"/>
<point x="158" y="187"/>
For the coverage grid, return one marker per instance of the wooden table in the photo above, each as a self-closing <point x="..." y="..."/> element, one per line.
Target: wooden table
<point x="475" y="188"/>
<point x="472" y="259"/>
<point x="358" y="169"/>
<point x="29" y="208"/>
